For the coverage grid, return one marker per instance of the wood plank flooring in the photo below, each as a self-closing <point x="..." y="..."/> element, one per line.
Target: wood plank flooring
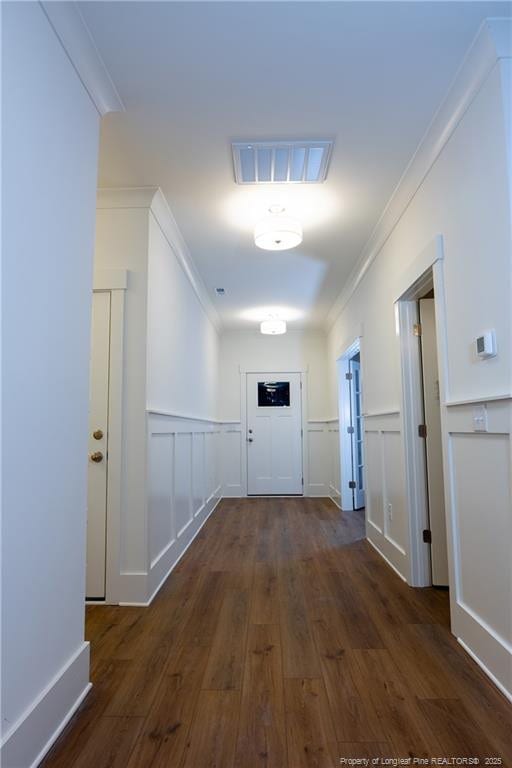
<point x="281" y="640"/>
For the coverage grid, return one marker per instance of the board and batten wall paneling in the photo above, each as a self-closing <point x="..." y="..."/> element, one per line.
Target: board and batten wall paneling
<point x="478" y="468"/>
<point x="323" y="465"/>
<point x="319" y="461"/>
<point x="183" y="485"/>
<point x="335" y="462"/>
<point x="387" y="523"/>
<point x="231" y="460"/>
<point x="322" y="469"/>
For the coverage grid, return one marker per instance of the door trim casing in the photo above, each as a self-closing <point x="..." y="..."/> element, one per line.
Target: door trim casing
<point x="243" y="419"/>
<point x="425" y="270"/>
<point x="115" y="282"/>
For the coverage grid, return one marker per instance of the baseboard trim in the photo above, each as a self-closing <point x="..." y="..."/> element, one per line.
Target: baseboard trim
<point x="486" y="670"/>
<point x="388" y="561"/>
<point x="27" y="742"/>
<point x="215" y="498"/>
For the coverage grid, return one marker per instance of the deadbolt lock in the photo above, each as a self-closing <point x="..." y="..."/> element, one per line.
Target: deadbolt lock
<point x="97" y="456"/>
<point x="97" y="434"/>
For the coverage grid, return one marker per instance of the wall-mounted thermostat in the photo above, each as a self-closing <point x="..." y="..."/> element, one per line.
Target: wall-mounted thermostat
<point x="485" y="345"/>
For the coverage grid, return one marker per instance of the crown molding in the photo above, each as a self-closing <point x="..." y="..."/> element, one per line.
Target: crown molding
<point x="73" y="33"/>
<point x="165" y="219"/>
<point x="153" y="199"/>
<point x="492" y="43"/>
<point x="125" y="197"/>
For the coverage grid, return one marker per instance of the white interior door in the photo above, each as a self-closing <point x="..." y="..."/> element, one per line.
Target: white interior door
<point x="98" y="446"/>
<point x="274" y="434"/>
<point x="435" y="482"/>
<point x="356" y="421"/>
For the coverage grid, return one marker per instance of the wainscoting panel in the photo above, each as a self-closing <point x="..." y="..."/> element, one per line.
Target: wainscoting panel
<point x="335" y="462"/>
<point x="395" y="523"/>
<point x="478" y="467"/>
<point x="182" y="482"/>
<point x="199" y="487"/>
<point x="231" y="460"/>
<point x="321" y="473"/>
<point x="184" y="487"/>
<point x="387" y="526"/>
<point x="319" y="459"/>
<point x="374" y="477"/>
<point x="161" y="481"/>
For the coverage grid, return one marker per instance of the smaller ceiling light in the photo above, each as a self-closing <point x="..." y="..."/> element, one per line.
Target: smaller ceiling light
<point x="273" y="327"/>
<point x="277" y="232"/>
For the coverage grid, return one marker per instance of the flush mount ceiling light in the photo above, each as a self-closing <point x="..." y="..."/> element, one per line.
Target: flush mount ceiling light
<point x="281" y="162"/>
<point x="273" y="327"/>
<point x="277" y="232"/>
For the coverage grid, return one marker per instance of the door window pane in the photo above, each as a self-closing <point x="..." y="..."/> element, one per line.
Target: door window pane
<point x="273" y="394"/>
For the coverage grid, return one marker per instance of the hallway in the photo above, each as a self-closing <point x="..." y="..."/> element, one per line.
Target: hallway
<point x="281" y="639"/>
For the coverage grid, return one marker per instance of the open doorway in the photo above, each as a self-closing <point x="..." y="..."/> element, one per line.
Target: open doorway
<point x="350" y="393"/>
<point x="436" y="531"/>
<point x="422" y="431"/>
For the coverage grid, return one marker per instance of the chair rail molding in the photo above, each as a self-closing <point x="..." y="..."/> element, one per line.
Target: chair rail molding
<point x="73" y="33"/>
<point x="492" y="43"/>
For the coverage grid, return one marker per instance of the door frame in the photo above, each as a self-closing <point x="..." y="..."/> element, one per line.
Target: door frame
<point x="425" y="272"/>
<point x="243" y="419"/>
<point x="342" y="365"/>
<point x="114" y="281"/>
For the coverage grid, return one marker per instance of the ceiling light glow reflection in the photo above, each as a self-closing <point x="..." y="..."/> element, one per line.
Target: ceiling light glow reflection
<point x="312" y="207"/>
<point x="258" y="314"/>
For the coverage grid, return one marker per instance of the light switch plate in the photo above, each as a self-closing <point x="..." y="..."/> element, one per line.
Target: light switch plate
<point x="480" y="418"/>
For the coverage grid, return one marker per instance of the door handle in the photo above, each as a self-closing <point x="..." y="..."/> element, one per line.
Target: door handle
<point x="97" y="434"/>
<point x="97" y="456"/>
<point x="250" y="440"/>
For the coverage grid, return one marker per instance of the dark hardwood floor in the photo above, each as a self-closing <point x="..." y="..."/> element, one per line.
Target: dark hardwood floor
<point x="281" y="640"/>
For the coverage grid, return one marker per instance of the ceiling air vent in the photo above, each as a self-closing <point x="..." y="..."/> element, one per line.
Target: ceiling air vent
<point x="281" y="162"/>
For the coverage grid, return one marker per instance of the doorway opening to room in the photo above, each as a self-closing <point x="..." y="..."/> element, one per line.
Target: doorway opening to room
<point x="418" y="330"/>
<point x="351" y="429"/>
<point x="274" y="434"/>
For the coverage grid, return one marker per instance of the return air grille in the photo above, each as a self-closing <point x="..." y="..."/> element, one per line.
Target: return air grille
<point x="281" y="162"/>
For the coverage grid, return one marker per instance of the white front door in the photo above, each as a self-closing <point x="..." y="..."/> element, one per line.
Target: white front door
<point x="98" y="446"/>
<point x="357" y="432"/>
<point x="274" y="434"/>
<point x="435" y="481"/>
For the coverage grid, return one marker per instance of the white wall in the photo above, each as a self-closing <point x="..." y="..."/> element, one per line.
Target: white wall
<point x="465" y="198"/>
<point x="122" y="243"/>
<point x="170" y="478"/>
<point x="293" y="351"/>
<point x="50" y="134"/>
<point x="182" y="341"/>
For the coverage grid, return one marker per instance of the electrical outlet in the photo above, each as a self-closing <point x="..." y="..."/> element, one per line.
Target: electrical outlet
<point x="390" y="511"/>
<point x="480" y="418"/>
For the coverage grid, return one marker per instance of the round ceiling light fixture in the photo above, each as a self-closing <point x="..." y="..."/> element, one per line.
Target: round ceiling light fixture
<point x="273" y="327"/>
<point x="277" y="232"/>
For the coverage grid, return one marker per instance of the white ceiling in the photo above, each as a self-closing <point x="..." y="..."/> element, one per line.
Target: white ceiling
<point x="194" y="76"/>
